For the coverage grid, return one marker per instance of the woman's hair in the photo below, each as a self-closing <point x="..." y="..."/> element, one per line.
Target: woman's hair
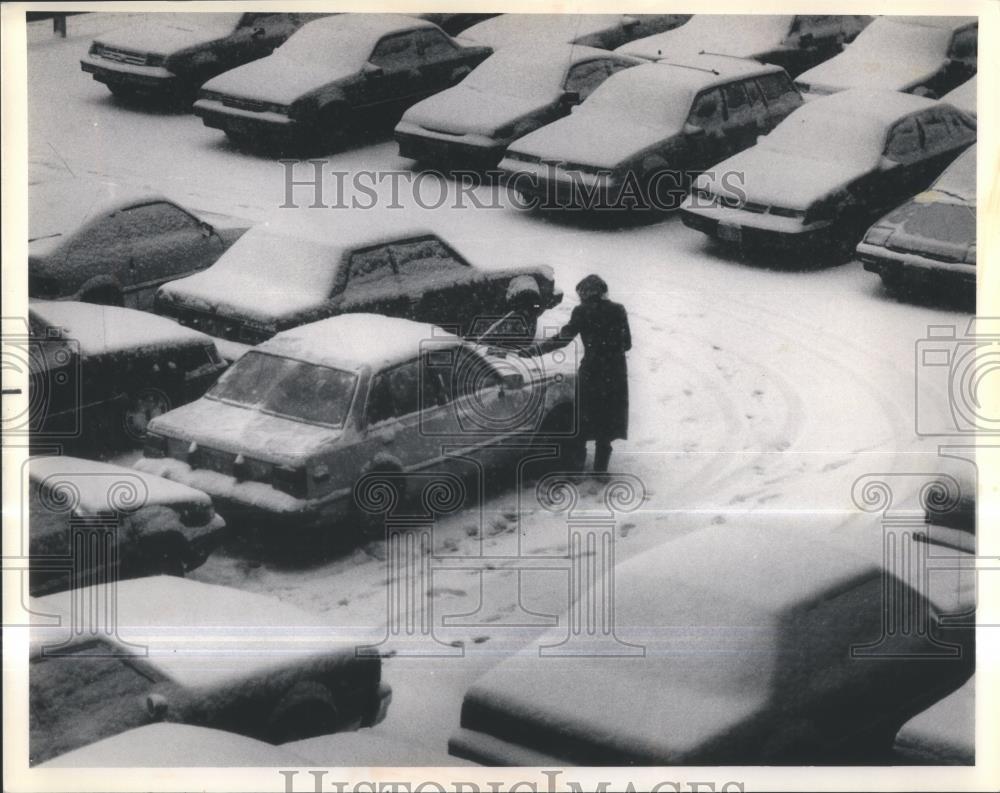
<point x="592" y="286"/>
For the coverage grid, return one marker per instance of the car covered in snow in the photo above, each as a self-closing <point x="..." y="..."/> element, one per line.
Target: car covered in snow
<point x="186" y="652"/>
<point x="331" y="70"/>
<point x="171" y="54"/>
<point x="454" y="23"/>
<point x="747" y="658"/>
<point x="604" y="31"/>
<point x="964" y="97"/>
<point x="825" y="173"/>
<point x="103" y="371"/>
<point x="516" y="90"/>
<point x="932" y="237"/>
<point x="154" y="525"/>
<point x="926" y="55"/>
<point x="286" y="435"/>
<point x="646" y="130"/>
<point x="351" y="263"/>
<point x="101" y="243"/>
<point x="792" y="41"/>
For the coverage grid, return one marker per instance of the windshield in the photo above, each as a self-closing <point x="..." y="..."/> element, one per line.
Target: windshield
<point x="885" y="37"/>
<point x="287" y="387"/>
<point x="325" y="45"/>
<point x="517" y="73"/>
<point x="827" y="137"/>
<point x="960" y="178"/>
<point x="632" y="95"/>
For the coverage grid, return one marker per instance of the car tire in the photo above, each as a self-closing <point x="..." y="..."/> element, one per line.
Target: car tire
<point x="555" y="430"/>
<point x="306" y="710"/>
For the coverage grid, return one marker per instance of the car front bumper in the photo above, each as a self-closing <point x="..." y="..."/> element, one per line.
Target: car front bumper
<point x="422" y="144"/>
<point x="757" y="232"/>
<point x="554" y="187"/>
<point x="883" y="261"/>
<point x="214" y="113"/>
<point x="113" y="73"/>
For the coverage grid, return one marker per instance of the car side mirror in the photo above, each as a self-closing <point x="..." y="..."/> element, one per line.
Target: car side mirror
<point x="371" y="70"/>
<point x="692" y="130"/>
<point x="571" y="97"/>
<point x="887" y="164"/>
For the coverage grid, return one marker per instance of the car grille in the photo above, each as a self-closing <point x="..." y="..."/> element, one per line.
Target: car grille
<point x="241" y="103"/>
<point x="759" y="209"/>
<point x="121" y="56"/>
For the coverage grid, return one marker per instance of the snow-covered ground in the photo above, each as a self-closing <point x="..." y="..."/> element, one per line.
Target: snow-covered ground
<point x="758" y="396"/>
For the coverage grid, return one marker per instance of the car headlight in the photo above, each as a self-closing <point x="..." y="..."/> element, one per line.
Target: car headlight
<point x="878" y="235"/>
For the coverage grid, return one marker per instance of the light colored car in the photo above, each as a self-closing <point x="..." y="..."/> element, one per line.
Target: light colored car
<point x="331" y="70"/>
<point x="748" y="657"/>
<point x="183" y="651"/>
<point x="516" y="90"/>
<point x="159" y="526"/>
<point x="102" y="243"/>
<point x="647" y="130"/>
<point x="295" y="423"/>
<point x="964" y="97"/>
<point x="932" y="237"/>
<point x="605" y="31"/>
<point x="825" y="173"/>
<point x="352" y="262"/>
<point x="925" y="55"/>
<point x="104" y="371"/>
<point x="792" y="41"/>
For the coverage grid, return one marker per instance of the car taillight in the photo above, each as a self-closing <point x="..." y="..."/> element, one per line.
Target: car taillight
<point x="878" y="235"/>
<point x="290" y="480"/>
<point x="154" y="445"/>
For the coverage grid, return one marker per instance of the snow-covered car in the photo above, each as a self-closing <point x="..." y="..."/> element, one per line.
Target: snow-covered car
<point x="158" y="526"/>
<point x="825" y="173"/>
<point x="604" y="31"/>
<point x="285" y="436"/>
<point x="646" y="130"/>
<point x="350" y="263"/>
<point x="101" y="372"/>
<point x="101" y="243"/>
<point x="924" y="55"/>
<point x="516" y="90"/>
<point x="932" y="237"/>
<point x="453" y="24"/>
<point x="173" y="54"/>
<point x="747" y="657"/>
<point x="177" y="650"/>
<point x="331" y="70"/>
<point x="794" y="42"/>
<point x="964" y="97"/>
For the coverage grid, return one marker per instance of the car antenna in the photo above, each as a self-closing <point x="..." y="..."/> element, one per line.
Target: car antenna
<point x="689" y="66"/>
<point x="723" y="55"/>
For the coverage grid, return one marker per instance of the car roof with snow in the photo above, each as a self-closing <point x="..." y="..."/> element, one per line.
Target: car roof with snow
<point x="876" y="106"/>
<point x="355" y="341"/>
<point x="106" y="330"/>
<point x="369" y="25"/>
<point x="707" y="69"/>
<point x="100" y="487"/>
<point x="943" y="22"/>
<point x="509" y="29"/>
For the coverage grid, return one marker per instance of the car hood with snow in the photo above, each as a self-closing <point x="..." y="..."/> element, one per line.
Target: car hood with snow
<point x="467" y="109"/>
<point x="277" y="79"/>
<point x="166" y="34"/>
<point x="867" y="70"/>
<point x="736" y="35"/>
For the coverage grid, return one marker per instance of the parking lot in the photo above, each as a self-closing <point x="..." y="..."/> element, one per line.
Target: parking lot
<point x="759" y="394"/>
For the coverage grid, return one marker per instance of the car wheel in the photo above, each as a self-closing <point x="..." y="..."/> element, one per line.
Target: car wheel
<point x="305" y="711"/>
<point x="143" y="407"/>
<point x="557" y="430"/>
<point x="103" y="296"/>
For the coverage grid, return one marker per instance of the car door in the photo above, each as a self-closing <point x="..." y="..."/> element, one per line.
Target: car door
<point x="372" y="285"/>
<point x="442" y="62"/>
<point x="706" y="138"/>
<point x="166" y="243"/>
<point x="398" y="72"/>
<point x="741" y="122"/>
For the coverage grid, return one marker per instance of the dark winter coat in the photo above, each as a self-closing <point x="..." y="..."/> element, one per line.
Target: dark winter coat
<point x="603" y="373"/>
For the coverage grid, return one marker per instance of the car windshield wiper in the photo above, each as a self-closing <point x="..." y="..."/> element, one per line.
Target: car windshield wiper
<point x="951" y="194"/>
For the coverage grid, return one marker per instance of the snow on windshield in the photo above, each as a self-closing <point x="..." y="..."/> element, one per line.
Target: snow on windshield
<point x="887" y="38"/>
<point x="827" y="136"/>
<point x="223" y="23"/>
<point x="297" y="264"/>
<point x="515" y="72"/>
<point x="323" y="44"/>
<point x="286" y="387"/>
<point x="960" y="178"/>
<point x="632" y="95"/>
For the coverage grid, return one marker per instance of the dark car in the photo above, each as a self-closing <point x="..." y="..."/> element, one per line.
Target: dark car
<point x="745" y="658"/>
<point x="645" y="130"/>
<point x="923" y="55"/>
<point x="158" y="526"/>
<point x="186" y="652"/>
<point x="514" y="91"/>
<point x="173" y="54"/>
<point x="792" y="41"/>
<point x="604" y="31"/>
<point x="932" y="237"/>
<point x="833" y="166"/>
<point x="101" y="243"/>
<point x="357" y="265"/>
<point x="331" y="70"/>
<point x="102" y="372"/>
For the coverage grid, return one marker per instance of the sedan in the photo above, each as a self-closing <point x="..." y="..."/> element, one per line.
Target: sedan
<point x="747" y="658"/>
<point x="833" y="166"/>
<point x="792" y="41"/>
<point x="514" y="91"/>
<point x="932" y="237"/>
<point x="330" y="71"/>
<point x="287" y="434"/>
<point x="191" y="653"/>
<point x="173" y="54"/>
<point x="605" y="31"/>
<point x="356" y="264"/>
<point x="922" y="55"/>
<point x="643" y="132"/>
<point x="101" y="372"/>
<point x="158" y="526"/>
<point x="101" y="243"/>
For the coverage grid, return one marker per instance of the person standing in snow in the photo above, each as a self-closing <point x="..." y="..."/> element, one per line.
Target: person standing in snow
<point x="603" y="374"/>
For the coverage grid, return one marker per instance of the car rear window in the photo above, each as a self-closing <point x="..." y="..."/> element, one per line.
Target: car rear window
<point x="775" y="86"/>
<point x="417" y="257"/>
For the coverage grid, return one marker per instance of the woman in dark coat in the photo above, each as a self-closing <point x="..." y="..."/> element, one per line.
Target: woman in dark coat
<point x="603" y="373"/>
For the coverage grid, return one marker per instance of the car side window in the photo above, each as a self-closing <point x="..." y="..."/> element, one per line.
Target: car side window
<point x="965" y="45"/>
<point x="736" y="99"/>
<point x="397" y="51"/>
<point x="434" y="45"/>
<point x="775" y="86"/>
<point x="379" y="400"/>
<point x="707" y="109"/>
<point x="472" y="374"/>
<point x="404" y="386"/>
<point x="369" y="266"/>
<point x="754" y="93"/>
<point x="904" y="145"/>
<point x="585" y="77"/>
<point x="962" y="127"/>
<point x="421" y="257"/>
<point x="158" y="218"/>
